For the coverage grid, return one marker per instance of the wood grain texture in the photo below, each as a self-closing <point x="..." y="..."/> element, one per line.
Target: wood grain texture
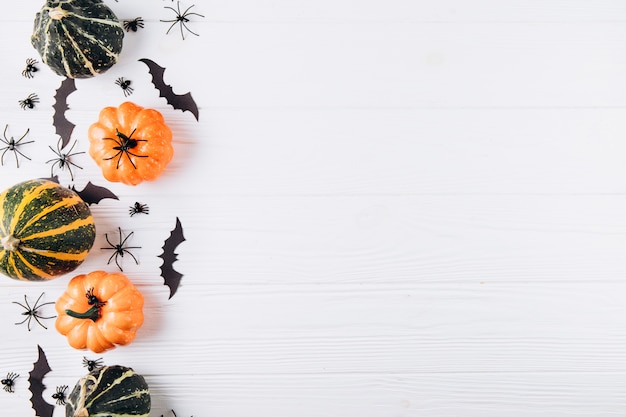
<point x="413" y="208"/>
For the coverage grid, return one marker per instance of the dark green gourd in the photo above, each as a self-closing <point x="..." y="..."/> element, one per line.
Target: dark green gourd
<point x="77" y="38"/>
<point x="46" y="230"/>
<point x="115" y="391"/>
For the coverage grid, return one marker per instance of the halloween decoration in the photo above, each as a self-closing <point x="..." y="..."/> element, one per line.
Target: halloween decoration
<point x="93" y="194"/>
<point x="30" y="68"/>
<point x="64" y="127"/>
<point x="182" y="102"/>
<point x="59" y="395"/>
<point x="133" y="24"/>
<point x="77" y="38"/>
<point x="36" y="386"/>
<point x="92" y="364"/>
<point x="119" y="249"/>
<point x="63" y="159"/>
<point x="33" y="312"/>
<point x="130" y="143"/>
<point x="168" y="273"/>
<point x="125" y="86"/>
<point x="8" y="383"/>
<point x="182" y="19"/>
<point x="29" y="102"/>
<point x="113" y="391"/>
<point x="99" y="310"/>
<point x="138" y="208"/>
<point x="12" y="145"/>
<point x="46" y="230"/>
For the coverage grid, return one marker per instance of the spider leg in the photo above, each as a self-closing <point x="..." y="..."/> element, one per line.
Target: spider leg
<point x="187" y="27"/>
<point x="23" y="136"/>
<point x="131" y="255"/>
<point x="117" y="263"/>
<point x="106" y="236"/>
<point x="40" y="323"/>
<point x="2" y="157"/>
<point x="126" y="238"/>
<point x="175" y="21"/>
<point x="128" y="154"/>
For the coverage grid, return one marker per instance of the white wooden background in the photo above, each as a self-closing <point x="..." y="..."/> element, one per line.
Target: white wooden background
<point x="392" y="208"/>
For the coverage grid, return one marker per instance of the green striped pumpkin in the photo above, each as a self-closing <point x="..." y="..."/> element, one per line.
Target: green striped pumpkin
<point x="77" y="38"/>
<point x="46" y="230"/>
<point x="111" y="391"/>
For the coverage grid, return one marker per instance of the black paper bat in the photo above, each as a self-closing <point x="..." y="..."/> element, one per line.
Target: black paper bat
<point x="64" y="127"/>
<point x="170" y="275"/>
<point x="182" y="102"/>
<point x="93" y="194"/>
<point x="35" y="379"/>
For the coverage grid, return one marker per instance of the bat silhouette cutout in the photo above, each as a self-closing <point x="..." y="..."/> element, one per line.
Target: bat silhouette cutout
<point x="64" y="127"/>
<point x="182" y="102"/>
<point x="35" y="380"/>
<point x="168" y="273"/>
<point x="93" y="194"/>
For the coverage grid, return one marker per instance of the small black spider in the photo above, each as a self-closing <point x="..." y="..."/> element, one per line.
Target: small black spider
<point x="33" y="312"/>
<point x="119" y="249"/>
<point x="92" y="364"/>
<point x="12" y="146"/>
<point x="63" y="159"/>
<point x="29" y="101"/>
<point x="30" y="68"/>
<point x="138" y="208"/>
<point x="181" y="19"/>
<point x="125" y="85"/>
<point x="9" y="381"/>
<point x="124" y="145"/>
<point x="133" y="25"/>
<point x="59" y="395"/>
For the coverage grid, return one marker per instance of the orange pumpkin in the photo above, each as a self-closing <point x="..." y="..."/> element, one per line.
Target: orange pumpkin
<point x="130" y="143"/>
<point x="99" y="310"/>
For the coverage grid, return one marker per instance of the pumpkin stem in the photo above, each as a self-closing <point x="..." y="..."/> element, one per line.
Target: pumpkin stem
<point x="10" y="243"/>
<point x="57" y="13"/>
<point x="92" y="314"/>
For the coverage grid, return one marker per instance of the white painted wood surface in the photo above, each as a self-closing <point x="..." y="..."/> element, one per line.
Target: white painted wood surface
<point x="398" y="208"/>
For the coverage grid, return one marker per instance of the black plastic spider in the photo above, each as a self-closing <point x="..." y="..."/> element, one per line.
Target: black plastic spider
<point x="9" y="381"/>
<point x="138" y="208"/>
<point x="59" y="395"/>
<point x="33" y="312"/>
<point x="12" y="146"/>
<point x="92" y="364"/>
<point x="182" y="19"/>
<point x="30" y="68"/>
<point x="124" y="145"/>
<point x="63" y="159"/>
<point x="29" y="101"/>
<point x="125" y="85"/>
<point x="119" y="249"/>
<point x="133" y="25"/>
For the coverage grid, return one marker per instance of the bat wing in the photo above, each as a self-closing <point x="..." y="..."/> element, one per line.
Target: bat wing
<point x="168" y="273"/>
<point x="64" y="127"/>
<point x="93" y="194"/>
<point x="182" y="102"/>
<point x="35" y="380"/>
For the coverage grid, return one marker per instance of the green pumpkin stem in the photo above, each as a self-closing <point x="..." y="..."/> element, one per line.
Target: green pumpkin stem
<point x="93" y="313"/>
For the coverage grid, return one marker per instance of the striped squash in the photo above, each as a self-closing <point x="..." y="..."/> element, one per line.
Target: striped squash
<point x="46" y="230"/>
<point x="77" y="38"/>
<point x="112" y="391"/>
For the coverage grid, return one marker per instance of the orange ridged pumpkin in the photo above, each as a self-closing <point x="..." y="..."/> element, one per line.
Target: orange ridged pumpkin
<point x="99" y="310"/>
<point x="130" y="143"/>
